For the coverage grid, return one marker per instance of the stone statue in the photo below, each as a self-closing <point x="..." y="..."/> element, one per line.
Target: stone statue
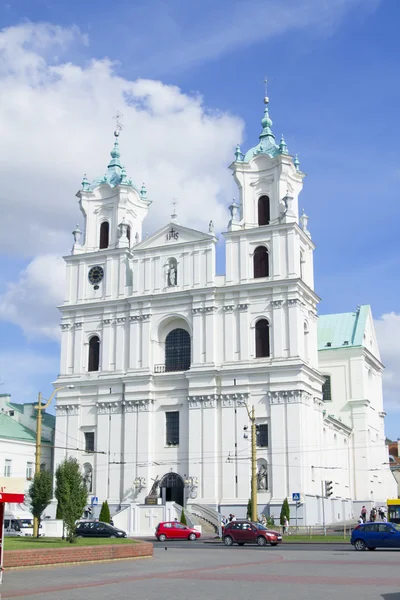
<point x="262" y="479"/>
<point x="154" y="487"/>
<point x="172" y="274"/>
<point x="88" y="477"/>
<point x="211" y="227"/>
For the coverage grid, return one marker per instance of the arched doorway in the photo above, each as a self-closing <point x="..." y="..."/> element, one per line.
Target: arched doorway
<point x="172" y="489"/>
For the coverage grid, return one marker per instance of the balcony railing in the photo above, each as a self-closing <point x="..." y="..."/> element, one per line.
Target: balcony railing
<point x="176" y="366"/>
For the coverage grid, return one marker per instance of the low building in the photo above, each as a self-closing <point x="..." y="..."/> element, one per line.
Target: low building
<point x="18" y="440"/>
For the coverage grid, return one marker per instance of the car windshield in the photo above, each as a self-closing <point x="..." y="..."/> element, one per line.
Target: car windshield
<point x="396" y="526"/>
<point x="259" y="526"/>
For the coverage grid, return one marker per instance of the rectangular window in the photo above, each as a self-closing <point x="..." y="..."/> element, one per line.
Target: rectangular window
<point x="89" y="441"/>
<point x="7" y="467"/>
<point x="326" y="389"/>
<point x="172" y="428"/>
<point x="262" y="435"/>
<point x="29" y="470"/>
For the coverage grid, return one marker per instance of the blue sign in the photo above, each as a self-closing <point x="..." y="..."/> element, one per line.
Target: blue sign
<point x="94" y="501"/>
<point x="296" y="496"/>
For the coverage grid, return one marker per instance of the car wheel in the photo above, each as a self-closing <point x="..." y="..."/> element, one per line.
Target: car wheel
<point x="241" y="544"/>
<point x="192" y="537"/>
<point x="360" y="545"/>
<point x="162" y="537"/>
<point x="228" y="541"/>
<point x="261" y="541"/>
<point x="371" y="548"/>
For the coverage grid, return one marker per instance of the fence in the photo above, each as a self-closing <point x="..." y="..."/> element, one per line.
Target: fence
<point x="342" y="531"/>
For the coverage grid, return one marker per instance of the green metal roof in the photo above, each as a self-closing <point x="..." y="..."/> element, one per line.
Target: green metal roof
<point x="343" y="330"/>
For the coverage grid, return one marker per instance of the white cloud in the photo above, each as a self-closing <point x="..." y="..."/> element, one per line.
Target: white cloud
<point x="31" y="302"/>
<point x="388" y="334"/>
<point x="56" y="125"/>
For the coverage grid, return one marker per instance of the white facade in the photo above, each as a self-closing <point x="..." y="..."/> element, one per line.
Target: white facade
<point x="146" y="289"/>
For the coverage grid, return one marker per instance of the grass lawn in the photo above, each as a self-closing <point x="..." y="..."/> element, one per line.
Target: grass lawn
<point x="29" y="543"/>
<point x="316" y="539"/>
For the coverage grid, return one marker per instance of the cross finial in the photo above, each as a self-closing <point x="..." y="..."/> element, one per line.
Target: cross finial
<point x="266" y="99"/>
<point x="174" y="215"/>
<point x="118" y="119"/>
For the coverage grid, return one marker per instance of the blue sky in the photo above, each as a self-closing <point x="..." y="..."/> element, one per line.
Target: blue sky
<point x="332" y="68"/>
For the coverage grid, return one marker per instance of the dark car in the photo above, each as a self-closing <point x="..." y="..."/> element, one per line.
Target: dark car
<point x="247" y="532"/>
<point x="376" y="535"/>
<point x="98" y="529"/>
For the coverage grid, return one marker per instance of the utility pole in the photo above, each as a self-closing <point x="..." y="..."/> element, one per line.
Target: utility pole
<point x="39" y="409"/>
<point x="253" y="466"/>
<point x="252" y="417"/>
<point x="323" y="505"/>
<point x="38" y="452"/>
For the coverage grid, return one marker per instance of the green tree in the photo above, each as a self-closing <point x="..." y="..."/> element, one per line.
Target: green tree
<point x="71" y="494"/>
<point x="249" y="509"/>
<point x="285" y="512"/>
<point x="40" y="493"/>
<point x="105" y="515"/>
<point x="183" y="518"/>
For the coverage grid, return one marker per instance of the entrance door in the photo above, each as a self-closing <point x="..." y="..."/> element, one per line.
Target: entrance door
<point x="172" y="489"/>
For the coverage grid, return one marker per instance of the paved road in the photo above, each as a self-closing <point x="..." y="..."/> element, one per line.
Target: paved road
<point x="202" y="545"/>
<point x="281" y="573"/>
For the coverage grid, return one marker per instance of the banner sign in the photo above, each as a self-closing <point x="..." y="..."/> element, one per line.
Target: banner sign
<point x="12" y="489"/>
<point x="2" y="506"/>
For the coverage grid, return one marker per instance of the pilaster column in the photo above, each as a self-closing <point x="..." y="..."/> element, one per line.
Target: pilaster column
<point x="65" y="358"/>
<point x="278" y="329"/>
<point x="122" y="277"/>
<point x="244" y="331"/>
<point x="197" y="341"/>
<point x="79" y="354"/>
<point x="106" y="344"/>
<point x="209" y="315"/>
<point x="293" y="324"/>
<point x="134" y="338"/>
<point x="229" y="341"/>
<point x="145" y="341"/>
<point x="275" y="264"/>
<point x="293" y="254"/>
<point x="120" y="344"/>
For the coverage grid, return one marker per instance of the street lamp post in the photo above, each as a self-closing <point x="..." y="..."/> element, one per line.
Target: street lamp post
<point x="39" y="409"/>
<point x="252" y="417"/>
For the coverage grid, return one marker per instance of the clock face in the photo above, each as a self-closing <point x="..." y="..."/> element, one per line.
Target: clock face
<point x="96" y="274"/>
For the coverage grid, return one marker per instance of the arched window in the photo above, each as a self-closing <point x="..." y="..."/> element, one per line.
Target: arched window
<point x="177" y="351"/>
<point x="263" y="211"/>
<point x="94" y="353"/>
<point x="261" y="262"/>
<point x="128" y="234"/>
<point x="262" y="339"/>
<point x="104" y="234"/>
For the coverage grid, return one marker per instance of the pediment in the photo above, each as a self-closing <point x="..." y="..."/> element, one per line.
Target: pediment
<point x="174" y="235"/>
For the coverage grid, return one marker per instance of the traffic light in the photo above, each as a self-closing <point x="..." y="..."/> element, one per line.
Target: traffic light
<point x="328" y="488"/>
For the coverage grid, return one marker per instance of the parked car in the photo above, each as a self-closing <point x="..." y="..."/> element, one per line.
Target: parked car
<point x="247" y="532"/>
<point x="98" y="529"/>
<point x="176" y="531"/>
<point x="376" y="535"/>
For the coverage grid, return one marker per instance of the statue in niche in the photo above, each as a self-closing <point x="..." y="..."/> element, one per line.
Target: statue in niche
<point x="88" y="477"/>
<point x="262" y="479"/>
<point x="172" y="274"/>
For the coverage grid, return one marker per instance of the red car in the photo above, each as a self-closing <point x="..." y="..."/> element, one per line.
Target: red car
<point x="247" y="532"/>
<point x="176" y="531"/>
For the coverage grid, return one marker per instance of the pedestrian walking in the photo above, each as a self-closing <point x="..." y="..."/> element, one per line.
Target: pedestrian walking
<point x="364" y="514"/>
<point x="285" y="526"/>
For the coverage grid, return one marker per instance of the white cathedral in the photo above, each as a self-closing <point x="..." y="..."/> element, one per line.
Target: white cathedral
<point x="164" y="355"/>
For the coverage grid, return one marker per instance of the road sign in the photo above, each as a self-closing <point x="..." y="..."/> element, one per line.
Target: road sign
<point x="296" y="496"/>
<point x="94" y="501"/>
